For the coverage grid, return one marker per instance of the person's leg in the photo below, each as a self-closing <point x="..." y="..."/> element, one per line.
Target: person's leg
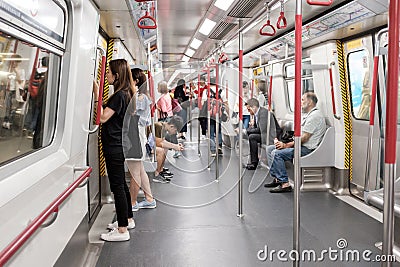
<point x="122" y="198"/>
<point x="203" y="124"/>
<point x="161" y="155"/>
<point x="145" y="183"/>
<point x="212" y="136"/>
<point x="183" y="115"/>
<point x="134" y="170"/>
<point x="254" y="140"/>
<point x="270" y="157"/>
<point x="246" y="120"/>
<point x="220" y="135"/>
<point x="278" y="165"/>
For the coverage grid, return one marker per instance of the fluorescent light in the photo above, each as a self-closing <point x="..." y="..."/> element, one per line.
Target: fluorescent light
<point x="185" y="58"/>
<point x="207" y="26"/>
<point x="223" y="4"/>
<point x="195" y="43"/>
<point x="190" y="52"/>
<point x="15" y="59"/>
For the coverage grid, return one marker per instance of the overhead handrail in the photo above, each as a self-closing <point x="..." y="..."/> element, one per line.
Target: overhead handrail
<point x="20" y="240"/>
<point x="333" y="92"/>
<point x="282" y="23"/>
<point x="320" y="3"/>
<point x="372" y="113"/>
<point x="147" y="27"/>
<point x="267" y="26"/>
<point x="101" y="86"/>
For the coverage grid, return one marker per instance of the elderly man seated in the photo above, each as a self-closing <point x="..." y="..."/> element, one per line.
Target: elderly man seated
<point x="313" y="129"/>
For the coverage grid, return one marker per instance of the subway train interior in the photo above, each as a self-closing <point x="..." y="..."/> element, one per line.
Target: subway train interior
<point x="302" y="170"/>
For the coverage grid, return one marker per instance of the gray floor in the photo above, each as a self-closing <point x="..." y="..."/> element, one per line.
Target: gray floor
<point x="195" y="222"/>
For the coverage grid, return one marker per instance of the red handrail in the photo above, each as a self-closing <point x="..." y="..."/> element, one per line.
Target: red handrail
<point x="222" y="58"/>
<point x="101" y="87"/>
<point x="147" y="27"/>
<point x="333" y="92"/>
<point x="20" y="240"/>
<point x="392" y="84"/>
<point x="320" y="3"/>
<point x="270" y="93"/>
<point x="241" y="84"/>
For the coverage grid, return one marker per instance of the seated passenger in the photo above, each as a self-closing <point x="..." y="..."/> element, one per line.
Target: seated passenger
<point x="257" y="132"/>
<point x="163" y="130"/>
<point x="313" y="130"/>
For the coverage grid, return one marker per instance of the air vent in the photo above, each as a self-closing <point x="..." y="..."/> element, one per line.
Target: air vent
<point x="222" y="29"/>
<point x="243" y="8"/>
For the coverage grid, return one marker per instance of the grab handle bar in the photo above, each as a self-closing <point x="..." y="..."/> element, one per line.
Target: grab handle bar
<point x="320" y="3"/>
<point x="333" y="92"/>
<point x="267" y="25"/>
<point x="21" y="239"/>
<point x="281" y="20"/>
<point x="103" y="70"/>
<point x="147" y="27"/>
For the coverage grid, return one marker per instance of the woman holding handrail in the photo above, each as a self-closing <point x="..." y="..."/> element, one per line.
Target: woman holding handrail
<point x="112" y="118"/>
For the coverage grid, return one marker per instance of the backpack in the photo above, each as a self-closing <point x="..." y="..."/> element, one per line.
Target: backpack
<point x="34" y="85"/>
<point x="218" y="109"/>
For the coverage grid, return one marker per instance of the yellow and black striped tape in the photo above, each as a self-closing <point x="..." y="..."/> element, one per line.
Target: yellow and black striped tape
<point x="106" y="91"/>
<point x="348" y="156"/>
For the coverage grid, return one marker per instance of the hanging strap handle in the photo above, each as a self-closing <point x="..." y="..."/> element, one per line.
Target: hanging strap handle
<point x="267" y="26"/>
<point x="147" y="27"/>
<point x="222" y="58"/>
<point x="320" y="3"/>
<point x="281" y="23"/>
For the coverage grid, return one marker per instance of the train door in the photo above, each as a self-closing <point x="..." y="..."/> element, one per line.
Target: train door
<point x="359" y="59"/>
<point x="95" y="185"/>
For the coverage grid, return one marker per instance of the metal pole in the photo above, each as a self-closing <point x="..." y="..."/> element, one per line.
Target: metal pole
<point x="372" y="115"/>
<point x="240" y="182"/>
<point x="208" y="119"/>
<point x="150" y="84"/>
<point x="297" y="130"/>
<point x="190" y="107"/>
<point x="391" y="129"/>
<point x="198" y="105"/>
<point x="217" y="123"/>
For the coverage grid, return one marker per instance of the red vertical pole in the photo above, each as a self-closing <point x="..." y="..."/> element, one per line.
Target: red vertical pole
<point x="252" y="89"/>
<point x="101" y="87"/>
<point x="391" y="129"/>
<point x="208" y="87"/>
<point x="198" y="92"/>
<point x="241" y="84"/>
<point x="152" y="96"/>
<point x="270" y="93"/>
<point x="297" y="129"/>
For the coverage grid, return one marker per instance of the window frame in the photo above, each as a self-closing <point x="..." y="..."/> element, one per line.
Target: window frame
<point x="304" y="76"/>
<point x="11" y="166"/>
<point x="349" y="81"/>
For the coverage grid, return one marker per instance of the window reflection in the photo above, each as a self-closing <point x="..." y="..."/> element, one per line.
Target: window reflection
<point x="24" y="94"/>
<point x="360" y="89"/>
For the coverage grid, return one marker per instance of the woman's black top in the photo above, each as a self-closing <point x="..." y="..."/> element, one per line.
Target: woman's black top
<point x="111" y="134"/>
<point x="180" y="94"/>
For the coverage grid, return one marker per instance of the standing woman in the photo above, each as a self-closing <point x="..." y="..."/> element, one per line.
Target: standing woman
<point x="182" y="98"/>
<point x="135" y="166"/>
<point x="112" y="118"/>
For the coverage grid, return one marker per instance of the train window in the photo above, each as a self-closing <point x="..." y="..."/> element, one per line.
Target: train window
<point x="307" y="82"/>
<point x="359" y="80"/>
<point x="28" y="97"/>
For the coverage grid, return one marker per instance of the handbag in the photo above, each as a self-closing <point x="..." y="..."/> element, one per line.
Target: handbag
<point x="176" y="107"/>
<point x="130" y="137"/>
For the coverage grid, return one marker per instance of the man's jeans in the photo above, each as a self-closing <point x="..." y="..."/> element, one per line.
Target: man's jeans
<point x="277" y="158"/>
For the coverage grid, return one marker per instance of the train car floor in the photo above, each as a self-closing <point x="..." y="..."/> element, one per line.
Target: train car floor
<point x="196" y="223"/>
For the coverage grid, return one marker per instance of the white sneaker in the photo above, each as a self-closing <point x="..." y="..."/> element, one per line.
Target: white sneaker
<point x="114" y="225"/>
<point x="7" y="125"/>
<point x="114" y="235"/>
